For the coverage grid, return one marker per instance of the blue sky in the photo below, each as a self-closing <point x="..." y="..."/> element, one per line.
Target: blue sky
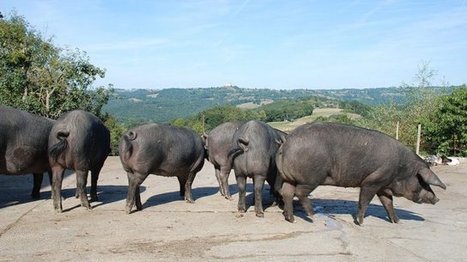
<point x="258" y="43"/>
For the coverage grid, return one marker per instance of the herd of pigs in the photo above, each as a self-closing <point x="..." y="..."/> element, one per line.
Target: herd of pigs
<point x="293" y="164"/>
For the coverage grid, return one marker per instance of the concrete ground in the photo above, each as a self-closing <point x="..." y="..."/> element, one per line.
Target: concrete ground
<point x="169" y="229"/>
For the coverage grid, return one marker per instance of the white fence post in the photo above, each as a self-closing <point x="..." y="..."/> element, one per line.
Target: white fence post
<point x="418" y="139"/>
<point x="397" y="130"/>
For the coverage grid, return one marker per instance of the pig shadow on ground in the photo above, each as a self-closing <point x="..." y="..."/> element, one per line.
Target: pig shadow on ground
<point x="106" y="194"/>
<point x="16" y="189"/>
<point x="268" y="199"/>
<point x="14" y="193"/>
<point x="200" y="192"/>
<point x="164" y="198"/>
<point x="348" y="207"/>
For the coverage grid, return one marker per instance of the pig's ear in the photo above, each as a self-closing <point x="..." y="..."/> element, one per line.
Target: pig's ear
<point x="429" y="177"/>
<point x="282" y="138"/>
<point x="204" y="138"/>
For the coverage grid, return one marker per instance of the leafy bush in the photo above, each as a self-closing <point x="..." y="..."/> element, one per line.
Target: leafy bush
<point x="287" y="110"/>
<point x="210" y="118"/>
<point x="339" y="118"/>
<point x="445" y="130"/>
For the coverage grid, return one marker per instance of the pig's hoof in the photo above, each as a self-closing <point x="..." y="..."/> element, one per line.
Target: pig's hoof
<point x="58" y="210"/>
<point x="94" y="199"/>
<point x="128" y="210"/>
<point x="260" y="214"/>
<point x="394" y="220"/>
<point x="288" y="217"/>
<point x="241" y="210"/>
<point x="358" y="221"/>
<point x="191" y="201"/>
<point x="36" y="195"/>
<point x="277" y="203"/>
<point x="86" y="205"/>
<point x="228" y="197"/>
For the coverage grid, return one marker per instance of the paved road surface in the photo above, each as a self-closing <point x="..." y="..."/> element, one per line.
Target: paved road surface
<point x="168" y="229"/>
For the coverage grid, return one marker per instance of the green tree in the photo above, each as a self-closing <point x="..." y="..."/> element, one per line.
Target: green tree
<point x="212" y="117"/>
<point x="384" y="118"/>
<point x="445" y="130"/>
<point x="421" y="103"/>
<point x="355" y="107"/>
<point x="116" y="132"/>
<point x="41" y="78"/>
<point x="339" y="118"/>
<point x="287" y="109"/>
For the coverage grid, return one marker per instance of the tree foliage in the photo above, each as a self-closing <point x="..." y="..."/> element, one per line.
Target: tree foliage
<point x="355" y="107"/>
<point x="338" y="118"/>
<point x="284" y="109"/>
<point x="210" y="118"/>
<point x="287" y="109"/>
<point x="446" y="128"/>
<point x="151" y="105"/>
<point x="116" y="132"/>
<point x="384" y="118"/>
<point x="442" y="117"/>
<point x="41" y="78"/>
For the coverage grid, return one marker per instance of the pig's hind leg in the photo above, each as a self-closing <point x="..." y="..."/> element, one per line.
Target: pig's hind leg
<point x="81" y="180"/>
<point x="241" y="183"/>
<point x="224" y="178"/>
<point x="188" y="183"/>
<point x="134" y="181"/>
<point x="36" y="190"/>
<point x="94" y="178"/>
<point x="302" y="192"/>
<point x="288" y="191"/>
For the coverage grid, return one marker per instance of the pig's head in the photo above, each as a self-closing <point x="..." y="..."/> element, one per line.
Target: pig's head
<point x="417" y="187"/>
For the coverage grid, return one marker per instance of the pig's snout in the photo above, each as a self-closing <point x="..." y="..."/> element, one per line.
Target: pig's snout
<point x="430" y="199"/>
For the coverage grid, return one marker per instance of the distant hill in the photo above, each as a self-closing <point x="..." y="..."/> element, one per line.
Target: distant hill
<point x="146" y="105"/>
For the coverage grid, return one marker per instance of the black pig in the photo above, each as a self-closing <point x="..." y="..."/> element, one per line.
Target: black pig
<point x="347" y="156"/>
<point x="218" y="145"/>
<point x="23" y="144"/>
<point x="79" y="141"/>
<point x="256" y="144"/>
<point x="162" y="150"/>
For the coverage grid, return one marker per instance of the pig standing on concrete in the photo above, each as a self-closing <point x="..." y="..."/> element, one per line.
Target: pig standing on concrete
<point x="79" y="141"/>
<point x="256" y="144"/>
<point x="347" y="156"/>
<point x="162" y="150"/>
<point x="23" y="144"/>
<point x="218" y="145"/>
